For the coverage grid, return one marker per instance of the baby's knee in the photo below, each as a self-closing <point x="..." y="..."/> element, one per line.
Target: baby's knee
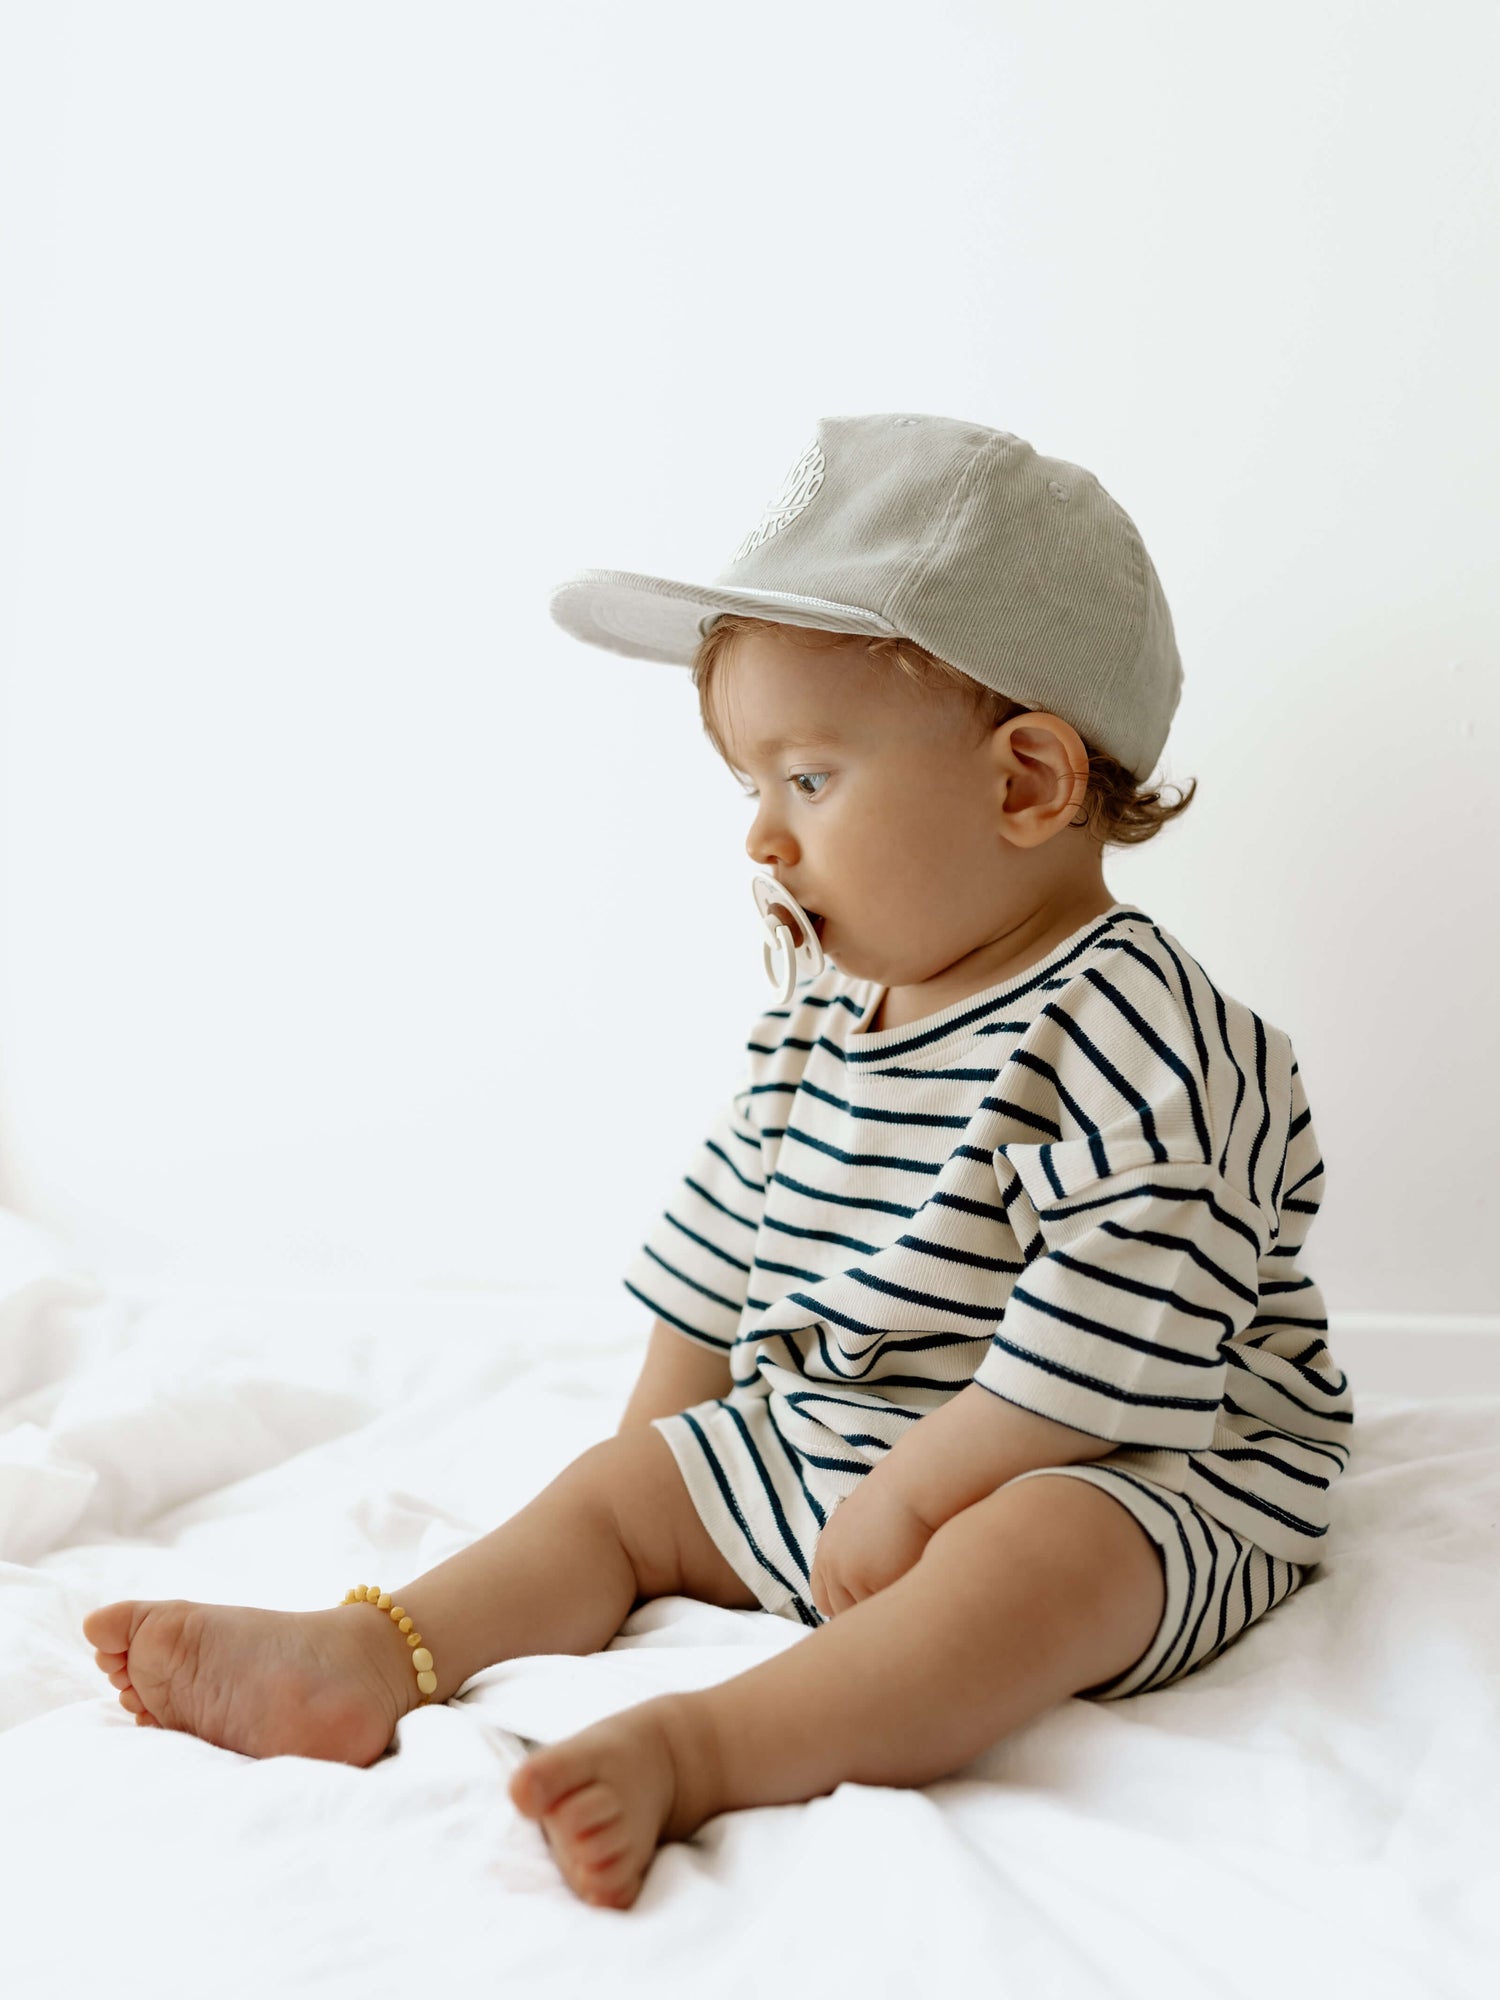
<point x="659" y="1524"/>
<point x="632" y="1478"/>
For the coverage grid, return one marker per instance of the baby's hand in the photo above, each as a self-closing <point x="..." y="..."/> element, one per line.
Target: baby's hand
<point x="871" y="1538"/>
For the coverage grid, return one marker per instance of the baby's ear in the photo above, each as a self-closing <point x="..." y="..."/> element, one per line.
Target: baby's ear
<point x="1041" y="767"/>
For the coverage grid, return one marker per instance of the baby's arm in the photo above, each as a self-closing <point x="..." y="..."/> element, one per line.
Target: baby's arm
<point x="949" y="1460"/>
<point x="975" y="1442"/>
<point x="677" y="1373"/>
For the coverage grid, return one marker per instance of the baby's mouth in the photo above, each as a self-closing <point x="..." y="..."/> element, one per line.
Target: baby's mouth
<point x="783" y="915"/>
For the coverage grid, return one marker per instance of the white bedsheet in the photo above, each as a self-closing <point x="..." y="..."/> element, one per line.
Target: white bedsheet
<point x="1320" y="1805"/>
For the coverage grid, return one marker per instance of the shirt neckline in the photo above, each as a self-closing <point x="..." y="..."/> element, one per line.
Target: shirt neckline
<point x="932" y="1026"/>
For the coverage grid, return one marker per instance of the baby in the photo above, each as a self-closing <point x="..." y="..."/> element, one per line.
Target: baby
<point x="1010" y="1192"/>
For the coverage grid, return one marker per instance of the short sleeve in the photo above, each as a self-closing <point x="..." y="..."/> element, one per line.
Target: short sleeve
<point x="1141" y="1233"/>
<point x="693" y="1270"/>
<point x="1301" y="1182"/>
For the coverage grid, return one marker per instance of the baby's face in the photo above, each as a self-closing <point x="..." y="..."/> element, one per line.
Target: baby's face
<point x="881" y="811"/>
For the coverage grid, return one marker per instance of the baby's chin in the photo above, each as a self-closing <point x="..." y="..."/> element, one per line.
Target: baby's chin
<point x="822" y="927"/>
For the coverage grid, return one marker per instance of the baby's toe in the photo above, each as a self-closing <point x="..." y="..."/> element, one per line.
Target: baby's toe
<point x="588" y="1811"/>
<point x="599" y="1851"/>
<point x="614" y="1884"/>
<point x="109" y="1628"/>
<point x="549" y="1775"/>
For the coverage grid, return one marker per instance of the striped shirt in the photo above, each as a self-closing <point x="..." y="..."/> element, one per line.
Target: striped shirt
<point x="1087" y="1188"/>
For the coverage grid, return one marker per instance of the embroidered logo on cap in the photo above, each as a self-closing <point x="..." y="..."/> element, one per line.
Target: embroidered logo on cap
<point x="796" y="493"/>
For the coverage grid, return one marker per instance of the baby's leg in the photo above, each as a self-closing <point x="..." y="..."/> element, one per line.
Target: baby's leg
<point x="1018" y="1602"/>
<point x="561" y="1576"/>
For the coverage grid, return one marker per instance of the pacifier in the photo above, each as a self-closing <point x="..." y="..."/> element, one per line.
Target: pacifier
<point x="792" y="937"/>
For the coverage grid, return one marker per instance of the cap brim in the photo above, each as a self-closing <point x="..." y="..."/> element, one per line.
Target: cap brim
<point x="657" y="618"/>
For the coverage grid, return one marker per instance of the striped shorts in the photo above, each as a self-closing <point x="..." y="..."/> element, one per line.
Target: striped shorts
<point x="752" y="1494"/>
<point x="1218" y="1583"/>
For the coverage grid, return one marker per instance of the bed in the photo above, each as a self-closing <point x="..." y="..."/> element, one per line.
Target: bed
<point x="1315" y="1810"/>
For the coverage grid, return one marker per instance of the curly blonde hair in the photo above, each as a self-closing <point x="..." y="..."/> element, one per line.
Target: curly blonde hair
<point x="1116" y="810"/>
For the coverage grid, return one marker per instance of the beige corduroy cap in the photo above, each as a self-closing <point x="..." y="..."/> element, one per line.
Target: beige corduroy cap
<point x="1017" y="569"/>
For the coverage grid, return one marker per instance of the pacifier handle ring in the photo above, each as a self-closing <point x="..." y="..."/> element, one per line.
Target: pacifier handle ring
<point x="786" y="978"/>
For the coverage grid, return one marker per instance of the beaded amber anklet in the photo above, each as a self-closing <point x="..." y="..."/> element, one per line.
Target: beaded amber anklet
<point x="421" y="1659"/>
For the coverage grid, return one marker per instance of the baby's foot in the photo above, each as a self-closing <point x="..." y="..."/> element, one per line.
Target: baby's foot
<point x="609" y="1796"/>
<point x="266" y="1683"/>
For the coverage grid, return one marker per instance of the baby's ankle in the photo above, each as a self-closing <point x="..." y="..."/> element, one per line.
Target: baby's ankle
<point x="384" y="1658"/>
<point x="698" y="1758"/>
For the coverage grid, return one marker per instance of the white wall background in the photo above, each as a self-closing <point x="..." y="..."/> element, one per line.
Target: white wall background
<point x="347" y="902"/>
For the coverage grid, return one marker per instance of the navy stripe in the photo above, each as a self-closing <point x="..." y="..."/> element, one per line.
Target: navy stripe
<point x="727" y="1494"/>
<point x="682" y="1325"/>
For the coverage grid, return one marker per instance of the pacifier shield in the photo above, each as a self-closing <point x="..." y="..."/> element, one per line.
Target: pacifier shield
<point x="791" y="936"/>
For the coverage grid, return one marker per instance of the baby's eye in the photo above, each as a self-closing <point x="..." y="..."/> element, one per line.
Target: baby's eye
<point x="747" y="791"/>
